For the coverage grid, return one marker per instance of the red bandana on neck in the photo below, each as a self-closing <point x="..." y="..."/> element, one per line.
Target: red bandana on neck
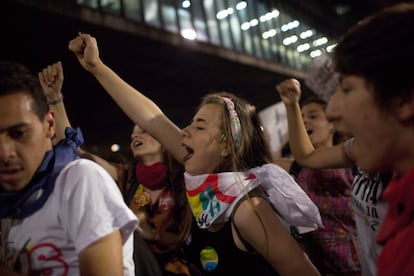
<point x="153" y="177"/>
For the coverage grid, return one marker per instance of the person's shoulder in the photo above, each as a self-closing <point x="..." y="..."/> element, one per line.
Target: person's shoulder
<point x="79" y="173"/>
<point x="244" y="211"/>
<point x="83" y="164"/>
<point x="84" y="170"/>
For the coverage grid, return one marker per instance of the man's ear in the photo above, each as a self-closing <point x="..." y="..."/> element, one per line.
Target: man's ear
<point x="404" y="108"/>
<point x="49" y="124"/>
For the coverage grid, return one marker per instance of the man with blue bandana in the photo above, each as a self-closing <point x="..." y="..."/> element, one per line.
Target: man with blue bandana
<point x="60" y="215"/>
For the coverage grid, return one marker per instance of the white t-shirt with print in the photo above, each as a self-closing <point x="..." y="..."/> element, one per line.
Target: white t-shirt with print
<point x="84" y="206"/>
<point x="369" y="212"/>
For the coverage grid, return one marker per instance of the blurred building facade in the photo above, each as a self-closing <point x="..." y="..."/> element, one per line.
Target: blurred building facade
<point x="262" y="29"/>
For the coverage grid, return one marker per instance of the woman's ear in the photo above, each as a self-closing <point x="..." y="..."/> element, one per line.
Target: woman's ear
<point x="224" y="153"/>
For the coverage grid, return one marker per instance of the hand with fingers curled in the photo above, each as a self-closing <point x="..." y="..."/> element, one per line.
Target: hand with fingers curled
<point x="86" y="50"/>
<point x="51" y="80"/>
<point x="289" y="91"/>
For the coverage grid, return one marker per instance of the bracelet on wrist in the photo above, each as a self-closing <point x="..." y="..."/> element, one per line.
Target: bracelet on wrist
<point x="59" y="100"/>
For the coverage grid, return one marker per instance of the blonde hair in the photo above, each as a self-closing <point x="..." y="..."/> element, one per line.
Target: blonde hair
<point x="252" y="148"/>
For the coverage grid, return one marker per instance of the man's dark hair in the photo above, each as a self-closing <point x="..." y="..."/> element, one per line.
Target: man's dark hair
<point x="380" y="49"/>
<point x="17" y="78"/>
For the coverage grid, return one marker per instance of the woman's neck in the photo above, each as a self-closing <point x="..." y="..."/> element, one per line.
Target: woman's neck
<point x="150" y="159"/>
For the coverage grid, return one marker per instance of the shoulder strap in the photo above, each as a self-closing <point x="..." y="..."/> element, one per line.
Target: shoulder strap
<point x="131" y="191"/>
<point x="252" y="193"/>
<point x="295" y="169"/>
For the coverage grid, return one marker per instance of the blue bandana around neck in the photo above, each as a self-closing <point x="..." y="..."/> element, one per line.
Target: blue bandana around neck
<point x="21" y="204"/>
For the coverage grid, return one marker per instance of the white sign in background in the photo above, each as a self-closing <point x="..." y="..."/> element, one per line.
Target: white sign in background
<point x="321" y="77"/>
<point x="274" y="121"/>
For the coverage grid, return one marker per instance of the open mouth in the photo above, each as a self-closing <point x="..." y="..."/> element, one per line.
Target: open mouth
<point x="137" y="144"/>
<point x="309" y="131"/>
<point x="190" y="152"/>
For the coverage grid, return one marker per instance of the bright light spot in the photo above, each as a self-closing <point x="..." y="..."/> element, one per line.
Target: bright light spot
<point x="303" y="47"/>
<point x="186" y="4"/>
<point x="254" y="22"/>
<point x="320" y="41"/>
<point x="222" y="14"/>
<point x="189" y="34"/>
<point x="275" y="13"/>
<point x="245" y="26"/>
<point x="241" y="5"/>
<point x="269" y="33"/>
<point x="315" y="53"/>
<point x="330" y="47"/>
<point x="265" y="17"/>
<point x="289" y="26"/>
<point x="306" y="34"/>
<point x="290" y="40"/>
<point x="115" y="147"/>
